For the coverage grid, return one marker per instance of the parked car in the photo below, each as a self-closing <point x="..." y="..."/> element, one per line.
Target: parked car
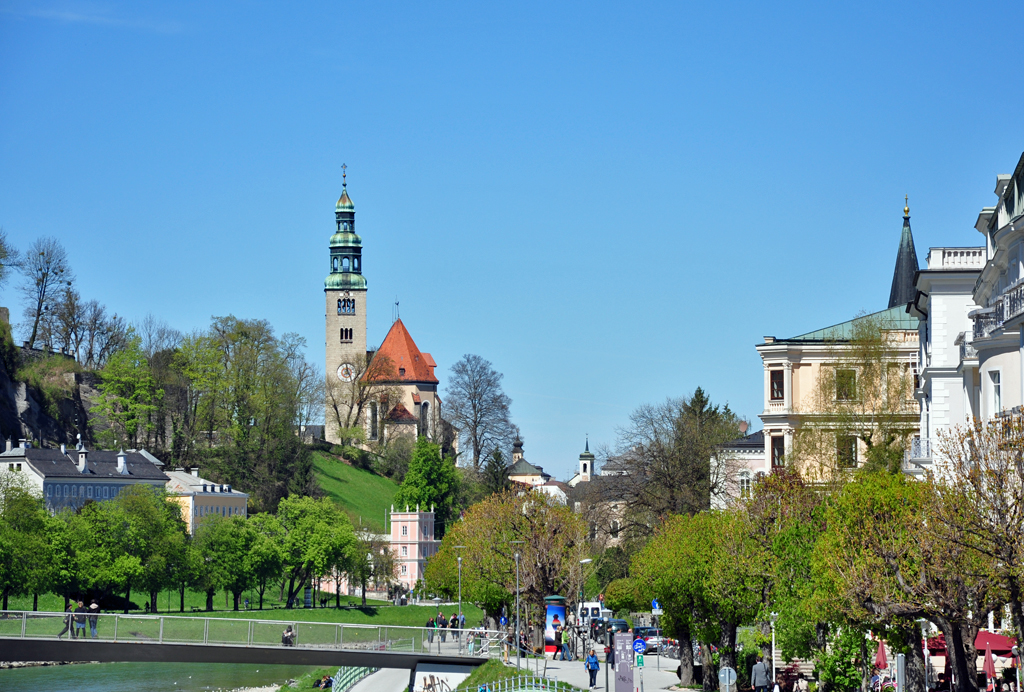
<point x="652" y="637"/>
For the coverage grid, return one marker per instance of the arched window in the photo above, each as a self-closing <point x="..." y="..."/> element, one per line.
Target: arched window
<point x="90" y="492"/>
<point x="74" y="491"/>
<point x="344" y="264"/>
<point x="339" y="306"/>
<point x="584" y="467"/>
<point x="106" y="493"/>
<point x="373" y="420"/>
<point x="744" y="483"/>
<point x="355" y="264"/>
<point x="66" y="492"/>
<point x="344" y="226"/>
<point x="424" y="420"/>
<point x="57" y="494"/>
<point x="49" y="491"/>
<point x="615" y="528"/>
<point x="335" y="265"/>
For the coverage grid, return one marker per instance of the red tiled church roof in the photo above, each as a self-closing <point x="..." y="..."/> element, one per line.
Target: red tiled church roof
<point x="400" y="414"/>
<point x="409" y="363"/>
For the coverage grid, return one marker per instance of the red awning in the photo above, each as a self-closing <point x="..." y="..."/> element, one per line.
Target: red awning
<point x="999" y="644"/>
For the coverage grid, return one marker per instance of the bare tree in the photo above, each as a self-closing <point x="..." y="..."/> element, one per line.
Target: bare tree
<point x="46" y="270"/>
<point x="478" y="408"/>
<point x="670" y="461"/>
<point x="101" y="337"/>
<point x="156" y="335"/>
<point x="10" y="258"/>
<point x="369" y="390"/>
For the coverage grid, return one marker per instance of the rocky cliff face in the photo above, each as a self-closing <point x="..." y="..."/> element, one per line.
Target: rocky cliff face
<point x="24" y="414"/>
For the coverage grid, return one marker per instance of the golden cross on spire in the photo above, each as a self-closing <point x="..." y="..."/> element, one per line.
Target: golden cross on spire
<point x="344" y="172"/>
<point x="906" y="202"/>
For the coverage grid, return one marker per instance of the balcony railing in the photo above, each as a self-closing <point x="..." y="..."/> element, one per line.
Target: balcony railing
<point x="987" y="322"/>
<point x="920" y="449"/>
<point x="967" y="351"/>
<point x="1013" y="301"/>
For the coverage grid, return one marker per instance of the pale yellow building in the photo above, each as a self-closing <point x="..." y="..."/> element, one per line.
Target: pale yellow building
<point x="200" y="498"/>
<point x="794" y="366"/>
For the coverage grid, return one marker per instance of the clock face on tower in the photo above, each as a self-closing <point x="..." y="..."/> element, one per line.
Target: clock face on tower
<point x="346" y="372"/>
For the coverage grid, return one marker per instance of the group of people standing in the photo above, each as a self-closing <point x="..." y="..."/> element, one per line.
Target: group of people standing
<point x="442" y="625"/>
<point x="76" y="617"/>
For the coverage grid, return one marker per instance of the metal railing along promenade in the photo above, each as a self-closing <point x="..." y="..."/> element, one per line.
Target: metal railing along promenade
<point x="519" y="683"/>
<point x="224" y="631"/>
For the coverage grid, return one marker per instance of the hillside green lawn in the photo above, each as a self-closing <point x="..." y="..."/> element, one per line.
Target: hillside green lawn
<point x="384" y="614"/>
<point x="363" y="495"/>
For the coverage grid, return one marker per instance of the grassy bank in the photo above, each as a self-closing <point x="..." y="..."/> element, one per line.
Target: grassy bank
<point x="376" y="612"/>
<point x="363" y="495"/>
<point x="493" y="671"/>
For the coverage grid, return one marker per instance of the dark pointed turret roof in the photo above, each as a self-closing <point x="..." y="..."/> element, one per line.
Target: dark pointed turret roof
<point x="903" y="289"/>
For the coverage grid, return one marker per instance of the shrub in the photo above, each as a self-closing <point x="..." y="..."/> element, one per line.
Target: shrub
<point x="48" y="376"/>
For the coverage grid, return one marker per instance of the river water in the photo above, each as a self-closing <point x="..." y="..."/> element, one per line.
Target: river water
<point x="155" y="677"/>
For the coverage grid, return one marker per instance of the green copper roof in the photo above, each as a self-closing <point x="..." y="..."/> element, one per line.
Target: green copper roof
<point x="346" y="239"/>
<point x="344" y="202"/>
<point x="345" y="281"/>
<point x="895" y="317"/>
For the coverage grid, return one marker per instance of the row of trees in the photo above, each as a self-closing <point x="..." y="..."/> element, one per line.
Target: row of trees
<point x="877" y="553"/>
<point x="138" y="543"/>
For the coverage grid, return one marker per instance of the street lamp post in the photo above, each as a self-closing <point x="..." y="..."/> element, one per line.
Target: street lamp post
<point x="579" y="606"/>
<point x="518" y="647"/>
<point x="773" y="617"/>
<point x="461" y="634"/>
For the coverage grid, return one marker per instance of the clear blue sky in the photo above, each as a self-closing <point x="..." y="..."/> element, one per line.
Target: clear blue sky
<point x="612" y="202"/>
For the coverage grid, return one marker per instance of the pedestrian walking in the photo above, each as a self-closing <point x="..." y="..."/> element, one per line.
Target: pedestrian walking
<point x="430" y="630"/>
<point x="94" y="616"/>
<point x="80" y="613"/>
<point x="558" y="644"/>
<point x="759" y="676"/>
<point x="69" y="620"/>
<point x="453" y="625"/>
<point x="592" y="665"/>
<point x="442" y="624"/>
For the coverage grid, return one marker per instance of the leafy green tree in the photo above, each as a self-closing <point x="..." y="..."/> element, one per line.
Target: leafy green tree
<point x="550" y="538"/>
<point x="128" y="392"/>
<point x="224" y="544"/>
<point x="318" y="537"/>
<point x="623" y="595"/>
<point x="266" y="558"/>
<point x="430" y="482"/>
<point x="24" y="550"/>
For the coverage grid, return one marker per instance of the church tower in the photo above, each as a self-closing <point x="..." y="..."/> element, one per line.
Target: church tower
<point x="586" y="469"/>
<point x="345" y="317"/>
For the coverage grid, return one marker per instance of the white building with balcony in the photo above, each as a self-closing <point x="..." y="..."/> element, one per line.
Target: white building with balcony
<point x="971" y="305"/>
<point x="946" y="388"/>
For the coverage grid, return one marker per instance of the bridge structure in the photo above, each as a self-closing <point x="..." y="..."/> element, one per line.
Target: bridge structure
<point x="36" y="636"/>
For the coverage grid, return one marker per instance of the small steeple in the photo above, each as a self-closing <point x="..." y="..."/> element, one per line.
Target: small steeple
<point x="903" y="289"/>
<point x="586" y="469"/>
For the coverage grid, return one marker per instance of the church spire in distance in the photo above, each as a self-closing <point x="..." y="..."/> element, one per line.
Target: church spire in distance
<point x="903" y="289"/>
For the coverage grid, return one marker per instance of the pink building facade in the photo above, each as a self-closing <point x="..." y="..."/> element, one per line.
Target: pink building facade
<point x="413" y="543"/>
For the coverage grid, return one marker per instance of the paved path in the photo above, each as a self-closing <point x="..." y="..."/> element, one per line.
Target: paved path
<point x="384" y="680"/>
<point x="574" y="673"/>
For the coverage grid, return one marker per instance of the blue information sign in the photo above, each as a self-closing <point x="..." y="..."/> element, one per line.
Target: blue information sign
<point x="655" y="605"/>
<point x="639" y="646"/>
<point x="503" y="621"/>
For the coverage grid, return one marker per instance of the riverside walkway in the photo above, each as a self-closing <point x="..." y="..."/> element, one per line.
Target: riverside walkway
<point x="32" y="636"/>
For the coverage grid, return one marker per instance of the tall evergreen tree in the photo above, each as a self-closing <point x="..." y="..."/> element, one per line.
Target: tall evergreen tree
<point x="431" y="481"/>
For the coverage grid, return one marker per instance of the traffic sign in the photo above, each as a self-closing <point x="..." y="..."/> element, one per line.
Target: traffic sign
<point x="655" y="605"/>
<point x="503" y="621"/>
<point x="657" y="611"/>
<point x="639" y="646"/>
<point x="726" y="678"/>
<point x="639" y="660"/>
